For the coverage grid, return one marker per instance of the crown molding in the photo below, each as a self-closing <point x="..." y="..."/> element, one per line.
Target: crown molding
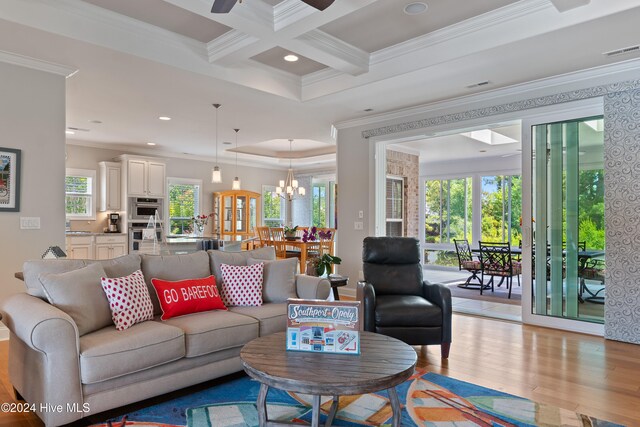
<point x="540" y="85"/>
<point x="319" y="76"/>
<point x="487" y="20"/>
<point x="227" y="43"/>
<point x="289" y="12"/>
<point x="37" y="64"/>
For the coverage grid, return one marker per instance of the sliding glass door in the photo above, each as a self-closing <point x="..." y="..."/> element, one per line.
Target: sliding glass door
<point x="567" y="220"/>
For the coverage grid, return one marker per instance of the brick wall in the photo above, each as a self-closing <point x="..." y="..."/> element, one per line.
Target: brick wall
<point x="408" y="167"/>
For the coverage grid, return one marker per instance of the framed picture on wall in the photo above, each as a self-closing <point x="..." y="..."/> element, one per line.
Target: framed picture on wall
<point x="9" y="180"/>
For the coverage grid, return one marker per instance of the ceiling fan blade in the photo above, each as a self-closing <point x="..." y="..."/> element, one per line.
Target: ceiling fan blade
<point x="319" y="4"/>
<point x="222" y="6"/>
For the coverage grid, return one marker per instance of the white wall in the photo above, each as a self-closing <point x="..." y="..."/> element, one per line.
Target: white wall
<point x="251" y="178"/>
<point x="489" y="165"/>
<point x="32" y="119"/>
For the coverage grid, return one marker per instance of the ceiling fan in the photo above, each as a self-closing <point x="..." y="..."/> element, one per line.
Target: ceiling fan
<point x="224" y="6"/>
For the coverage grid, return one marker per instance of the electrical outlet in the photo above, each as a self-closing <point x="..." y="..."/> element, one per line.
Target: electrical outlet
<point x="29" y="223"/>
<point x="358" y="225"/>
<point x="360" y="214"/>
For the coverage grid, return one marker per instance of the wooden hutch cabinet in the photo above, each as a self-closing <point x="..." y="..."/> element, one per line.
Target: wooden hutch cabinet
<point x="236" y="213"/>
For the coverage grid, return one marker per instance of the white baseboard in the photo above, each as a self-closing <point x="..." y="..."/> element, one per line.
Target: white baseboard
<point x="4" y="333"/>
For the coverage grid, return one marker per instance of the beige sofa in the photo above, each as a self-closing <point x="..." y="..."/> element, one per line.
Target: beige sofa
<point x="50" y="364"/>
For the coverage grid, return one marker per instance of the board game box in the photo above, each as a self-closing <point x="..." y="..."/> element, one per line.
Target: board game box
<point x="323" y="326"/>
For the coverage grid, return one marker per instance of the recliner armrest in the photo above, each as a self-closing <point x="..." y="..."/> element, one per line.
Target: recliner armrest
<point x="440" y="295"/>
<point x="368" y="306"/>
<point x="311" y="287"/>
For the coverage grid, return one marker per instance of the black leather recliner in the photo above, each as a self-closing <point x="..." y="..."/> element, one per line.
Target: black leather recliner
<point x="397" y="302"/>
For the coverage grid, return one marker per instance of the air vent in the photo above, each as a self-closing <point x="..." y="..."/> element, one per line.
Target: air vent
<point x="622" y="51"/>
<point x="77" y="129"/>
<point x="479" y="84"/>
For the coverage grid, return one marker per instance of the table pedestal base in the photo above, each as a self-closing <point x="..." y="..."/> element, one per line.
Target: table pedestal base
<point x="315" y="416"/>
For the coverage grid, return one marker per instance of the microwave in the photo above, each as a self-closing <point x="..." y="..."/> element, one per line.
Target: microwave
<point x="142" y="208"/>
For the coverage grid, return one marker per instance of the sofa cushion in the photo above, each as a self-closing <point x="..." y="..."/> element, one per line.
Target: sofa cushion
<point x="121" y="266"/>
<point x="213" y="331"/>
<point x="242" y="284"/>
<point x="129" y="299"/>
<point x="279" y="279"/>
<point x="272" y="317"/>
<point x="109" y="353"/>
<point x="32" y="270"/>
<point x="79" y="294"/>
<point x="187" y="296"/>
<point x="406" y="310"/>
<point x="218" y="258"/>
<point x="173" y="267"/>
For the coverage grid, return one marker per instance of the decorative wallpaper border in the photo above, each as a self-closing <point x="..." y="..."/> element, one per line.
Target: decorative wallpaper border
<point x="509" y="107"/>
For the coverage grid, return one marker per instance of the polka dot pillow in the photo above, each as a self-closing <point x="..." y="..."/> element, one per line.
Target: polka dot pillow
<point x="242" y="284"/>
<point x="129" y="299"/>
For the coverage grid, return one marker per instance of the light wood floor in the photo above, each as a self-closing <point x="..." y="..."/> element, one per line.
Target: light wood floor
<point x="578" y="372"/>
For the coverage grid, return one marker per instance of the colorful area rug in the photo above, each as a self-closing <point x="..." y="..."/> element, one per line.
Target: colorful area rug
<point x="427" y="400"/>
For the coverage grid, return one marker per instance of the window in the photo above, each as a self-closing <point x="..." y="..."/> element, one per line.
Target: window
<point x="184" y="204"/>
<point x="395" y="206"/>
<point x="448" y="210"/>
<point x="319" y="204"/>
<point x="502" y="208"/>
<point x="273" y="207"/>
<point x="80" y="194"/>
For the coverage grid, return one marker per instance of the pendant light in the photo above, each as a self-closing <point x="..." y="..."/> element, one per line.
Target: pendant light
<point x="216" y="175"/>
<point x="289" y="188"/>
<point x="236" y="180"/>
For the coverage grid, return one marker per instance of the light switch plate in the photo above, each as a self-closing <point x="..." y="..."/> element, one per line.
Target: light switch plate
<point x="29" y="223"/>
<point x="360" y="214"/>
<point x="358" y="225"/>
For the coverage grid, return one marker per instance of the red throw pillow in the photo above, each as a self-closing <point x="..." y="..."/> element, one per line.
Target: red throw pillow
<point x="129" y="299"/>
<point x="187" y="296"/>
<point x="242" y="284"/>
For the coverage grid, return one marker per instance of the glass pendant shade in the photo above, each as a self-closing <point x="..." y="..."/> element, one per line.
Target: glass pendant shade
<point x="236" y="184"/>
<point x="216" y="175"/>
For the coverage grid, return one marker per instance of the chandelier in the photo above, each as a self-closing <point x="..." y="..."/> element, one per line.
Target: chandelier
<point x="289" y="188"/>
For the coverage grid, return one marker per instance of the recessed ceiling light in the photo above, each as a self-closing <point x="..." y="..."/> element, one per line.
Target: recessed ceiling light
<point x="226" y="143"/>
<point x="368" y="110"/>
<point x="69" y="132"/>
<point x="483" y="151"/>
<point x="415" y="8"/>
<point x="165" y="118"/>
<point x="96" y="121"/>
<point x="291" y="58"/>
<point x="151" y="143"/>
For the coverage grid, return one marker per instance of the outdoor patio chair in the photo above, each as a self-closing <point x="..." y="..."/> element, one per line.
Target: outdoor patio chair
<point x="496" y="260"/>
<point x="591" y="269"/>
<point x="466" y="261"/>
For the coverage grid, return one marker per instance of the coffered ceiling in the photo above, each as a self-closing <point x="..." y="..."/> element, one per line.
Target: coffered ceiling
<point x="142" y="59"/>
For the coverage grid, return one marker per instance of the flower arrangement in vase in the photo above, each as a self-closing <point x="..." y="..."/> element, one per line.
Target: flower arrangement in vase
<point x="199" y="221"/>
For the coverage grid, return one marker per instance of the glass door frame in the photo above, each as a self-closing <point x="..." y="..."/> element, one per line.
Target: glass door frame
<point x="571" y="111"/>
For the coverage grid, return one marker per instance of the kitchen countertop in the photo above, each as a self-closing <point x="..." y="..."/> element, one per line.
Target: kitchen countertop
<point x="90" y="233"/>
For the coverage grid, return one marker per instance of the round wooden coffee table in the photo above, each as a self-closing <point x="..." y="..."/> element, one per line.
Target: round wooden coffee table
<point x="383" y="363"/>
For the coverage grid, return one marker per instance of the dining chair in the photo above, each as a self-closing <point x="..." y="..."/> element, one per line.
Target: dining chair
<point x="326" y="237"/>
<point x="278" y="241"/>
<point x="496" y="260"/>
<point x="466" y="261"/>
<point x="264" y="236"/>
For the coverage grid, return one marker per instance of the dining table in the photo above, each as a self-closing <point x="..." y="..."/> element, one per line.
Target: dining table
<point x="304" y="247"/>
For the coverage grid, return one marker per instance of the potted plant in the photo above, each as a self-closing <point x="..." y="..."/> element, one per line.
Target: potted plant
<point x="290" y="232"/>
<point x="319" y="266"/>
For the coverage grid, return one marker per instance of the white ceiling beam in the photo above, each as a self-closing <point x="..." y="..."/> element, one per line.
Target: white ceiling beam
<point x="564" y="5"/>
<point x="291" y="24"/>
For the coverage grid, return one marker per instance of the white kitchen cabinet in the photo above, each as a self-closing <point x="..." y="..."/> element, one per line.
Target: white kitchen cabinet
<point x="79" y="247"/>
<point x="110" y="246"/>
<point x="145" y="178"/>
<point x="101" y="246"/>
<point x="110" y="194"/>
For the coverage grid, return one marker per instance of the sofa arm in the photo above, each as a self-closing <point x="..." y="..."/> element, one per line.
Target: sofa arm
<point x="44" y="364"/>
<point x="311" y="287"/>
<point x="440" y="295"/>
<point x="368" y="306"/>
